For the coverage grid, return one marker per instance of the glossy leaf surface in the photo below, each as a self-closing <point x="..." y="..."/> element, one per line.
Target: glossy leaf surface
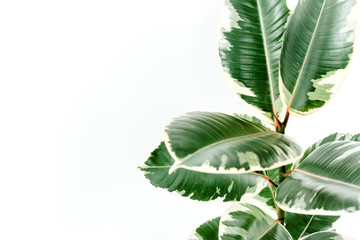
<point x="246" y="221"/>
<point x="318" y="44"/>
<point x="207" y="231"/>
<point x="327" y="182"/>
<point x="198" y="185"/>
<point x="331" y="138"/>
<point x="326" y="236"/>
<point x="300" y="225"/>
<point x="250" y="48"/>
<point x="220" y="143"/>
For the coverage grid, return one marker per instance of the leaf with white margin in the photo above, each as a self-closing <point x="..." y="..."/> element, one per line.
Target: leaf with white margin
<point x="198" y="185"/>
<point x="249" y="48"/>
<point x="301" y="225"/>
<point x="251" y="119"/>
<point x="246" y="221"/>
<point x="317" y="48"/>
<point x="220" y="143"/>
<point x="207" y="231"/>
<point x="327" y="182"/>
<point x="331" y="138"/>
<point x="297" y="224"/>
<point x="326" y="236"/>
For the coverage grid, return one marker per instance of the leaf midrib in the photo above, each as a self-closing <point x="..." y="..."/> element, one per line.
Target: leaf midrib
<point x="326" y="178"/>
<point x="164" y="167"/>
<point x="306" y="55"/>
<point x="307" y="226"/>
<point x="268" y="229"/>
<point x="183" y="160"/>
<point x="267" y="57"/>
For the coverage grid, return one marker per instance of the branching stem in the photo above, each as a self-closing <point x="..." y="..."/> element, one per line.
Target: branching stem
<point x="266" y="177"/>
<point x="272" y="183"/>
<point x="280" y="128"/>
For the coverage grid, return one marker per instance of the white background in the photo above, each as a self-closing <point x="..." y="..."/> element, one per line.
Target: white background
<point x="86" y="90"/>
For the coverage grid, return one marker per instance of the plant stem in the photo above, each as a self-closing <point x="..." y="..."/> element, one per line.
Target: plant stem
<point x="281" y="213"/>
<point x="280" y="128"/>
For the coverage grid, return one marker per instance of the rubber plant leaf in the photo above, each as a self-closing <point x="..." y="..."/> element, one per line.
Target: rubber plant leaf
<point x="327" y="182"/>
<point x="246" y="221"/>
<point x="219" y="143"/>
<point x="206" y="231"/>
<point x="317" y="48"/>
<point x="249" y="48"/>
<point x="199" y="185"/>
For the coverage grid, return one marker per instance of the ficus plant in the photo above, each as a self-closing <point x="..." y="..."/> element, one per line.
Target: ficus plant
<point x="280" y="64"/>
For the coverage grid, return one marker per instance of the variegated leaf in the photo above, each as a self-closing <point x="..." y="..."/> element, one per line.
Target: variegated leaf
<point x="250" y="48"/>
<point x="198" y="185"/>
<point x="207" y="231"/>
<point x="317" y="48"/>
<point x="220" y="143"/>
<point x="300" y="225"/>
<point x="327" y="182"/>
<point x="267" y="195"/>
<point x="251" y="119"/>
<point x="326" y="236"/>
<point x="246" y="221"/>
<point x="331" y="138"/>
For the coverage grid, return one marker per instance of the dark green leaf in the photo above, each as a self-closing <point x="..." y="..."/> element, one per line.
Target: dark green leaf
<point x="318" y="45"/>
<point x="198" y="185"/>
<point x="207" y="231"/>
<point x="300" y="225"/>
<point x="220" y="143"/>
<point x="246" y="221"/>
<point x="250" y="45"/>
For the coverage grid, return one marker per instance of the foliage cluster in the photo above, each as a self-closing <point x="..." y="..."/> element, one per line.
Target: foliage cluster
<point x="281" y="64"/>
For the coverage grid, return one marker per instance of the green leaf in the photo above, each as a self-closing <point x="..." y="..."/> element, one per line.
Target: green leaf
<point x="207" y="231"/>
<point x="327" y="182"/>
<point x="249" y="48"/>
<point x="246" y="221"/>
<point x="317" y="48"/>
<point x="326" y="236"/>
<point x="251" y="119"/>
<point x="297" y="224"/>
<point x="300" y="225"/>
<point x="267" y="195"/>
<point x="220" y="143"/>
<point x="198" y="185"/>
<point x="331" y="138"/>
